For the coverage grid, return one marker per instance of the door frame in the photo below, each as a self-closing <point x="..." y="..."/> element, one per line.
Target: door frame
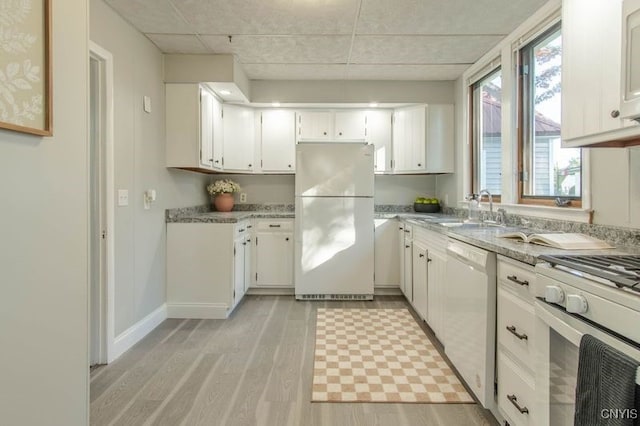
<point x="107" y="293"/>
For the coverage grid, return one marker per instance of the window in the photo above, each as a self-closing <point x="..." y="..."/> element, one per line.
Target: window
<point x="546" y="171"/>
<point x="486" y="122"/>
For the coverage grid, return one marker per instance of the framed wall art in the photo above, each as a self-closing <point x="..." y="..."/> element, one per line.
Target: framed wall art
<point x="25" y="66"/>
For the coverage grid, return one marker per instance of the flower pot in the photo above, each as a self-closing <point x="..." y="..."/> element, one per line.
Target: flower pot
<point x="223" y="202"/>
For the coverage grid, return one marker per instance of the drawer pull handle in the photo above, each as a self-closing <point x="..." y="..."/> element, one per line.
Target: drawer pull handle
<point x="512" y="330"/>
<point x="421" y="255"/>
<point x="241" y="230"/>
<point x="407" y="231"/>
<point x="406" y="246"/>
<point x="274" y="226"/>
<point x="514" y="401"/>
<point x="515" y="279"/>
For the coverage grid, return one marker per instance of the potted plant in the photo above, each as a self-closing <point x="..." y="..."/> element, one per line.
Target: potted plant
<point x="222" y="192"/>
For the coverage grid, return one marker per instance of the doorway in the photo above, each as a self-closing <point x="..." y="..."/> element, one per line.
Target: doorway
<point x="100" y="152"/>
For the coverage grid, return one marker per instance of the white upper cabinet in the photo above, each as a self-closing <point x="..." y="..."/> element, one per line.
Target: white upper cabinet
<point x="278" y="135"/>
<point x="439" y="134"/>
<point x="239" y="138"/>
<point x="192" y="129"/>
<point x="315" y="125"/>
<point x="218" y="134"/>
<point x="409" y="139"/>
<point x="378" y="133"/>
<point x="630" y="83"/>
<point x="350" y="126"/>
<point x="591" y="70"/>
<point x="423" y="139"/>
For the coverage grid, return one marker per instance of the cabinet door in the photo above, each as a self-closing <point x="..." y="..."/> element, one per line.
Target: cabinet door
<point x="436" y="270"/>
<point x="274" y="259"/>
<point x="350" y="125"/>
<point x="315" y="125"/>
<point x="206" y="128"/>
<point x="420" y="279"/>
<point x="379" y="135"/>
<point x="591" y="64"/>
<point x="408" y="270"/>
<point x="278" y="141"/>
<point x="238" y="138"/>
<point x="238" y="269"/>
<point x="400" y="242"/>
<point x="218" y="134"/>
<point x="409" y="139"/>
<point x="248" y="253"/>
<point x="439" y="135"/>
<point x="386" y="265"/>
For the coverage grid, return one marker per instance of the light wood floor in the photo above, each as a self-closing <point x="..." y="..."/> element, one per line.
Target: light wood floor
<point x="254" y="368"/>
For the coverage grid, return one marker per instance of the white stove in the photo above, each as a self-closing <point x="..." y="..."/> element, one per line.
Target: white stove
<point x="575" y="296"/>
<point x="603" y="289"/>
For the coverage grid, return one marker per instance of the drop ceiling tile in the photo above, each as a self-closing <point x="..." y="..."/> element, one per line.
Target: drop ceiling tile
<point x="178" y="43"/>
<point x="151" y="16"/>
<point x="405" y="72"/>
<point x="219" y="17"/>
<point x="295" y="71"/>
<point x="283" y="49"/>
<point x="420" y="49"/>
<point x="444" y="17"/>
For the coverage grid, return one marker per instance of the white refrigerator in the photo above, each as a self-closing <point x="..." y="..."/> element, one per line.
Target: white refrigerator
<point x="334" y="237"/>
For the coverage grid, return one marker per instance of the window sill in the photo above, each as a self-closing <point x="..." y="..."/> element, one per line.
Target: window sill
<point x="545" y="212"/>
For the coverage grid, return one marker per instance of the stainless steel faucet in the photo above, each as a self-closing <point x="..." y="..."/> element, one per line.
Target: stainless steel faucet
<point x="487" y="193"/>
<point x="502" y="217"/>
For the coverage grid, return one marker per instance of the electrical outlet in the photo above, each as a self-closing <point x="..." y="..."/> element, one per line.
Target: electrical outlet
<point x="243" y="197"/>
<point x="123" y="197"/>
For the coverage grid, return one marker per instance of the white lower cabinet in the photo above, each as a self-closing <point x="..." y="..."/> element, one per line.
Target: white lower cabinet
<point x="406" y="261"/>
<point x="420" y="278"/>
<point x="516" y="342"/>
<point x="386" y="259"/>
<point x="205" y="268"/>
<point x="273" y="243"/>
<point x="436" y="279"/>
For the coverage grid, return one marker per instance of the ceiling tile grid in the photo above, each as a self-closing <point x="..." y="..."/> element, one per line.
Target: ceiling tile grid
<point x="332" y="39"/>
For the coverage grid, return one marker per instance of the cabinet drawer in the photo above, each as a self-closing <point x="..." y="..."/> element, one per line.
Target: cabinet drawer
<point x="274" y="225"/>
<point x="518" y="276"/>
<point x="516" y="395"/>
<point x="516" y="325"/>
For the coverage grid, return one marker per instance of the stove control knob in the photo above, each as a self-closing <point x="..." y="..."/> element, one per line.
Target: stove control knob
<point x="576" y="304"/>
<point x="553" y="294"/>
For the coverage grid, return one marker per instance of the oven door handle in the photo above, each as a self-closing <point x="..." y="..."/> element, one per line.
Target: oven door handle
<point x="551" y="319"/>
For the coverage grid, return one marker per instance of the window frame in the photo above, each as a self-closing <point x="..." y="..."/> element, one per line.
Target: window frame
<point x="473" y="133"/>
<point x="524" y="98"/>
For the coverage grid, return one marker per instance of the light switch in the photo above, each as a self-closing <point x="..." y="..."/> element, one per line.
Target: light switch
<point x="123" y="197"/>
<point x="146" y="103"/>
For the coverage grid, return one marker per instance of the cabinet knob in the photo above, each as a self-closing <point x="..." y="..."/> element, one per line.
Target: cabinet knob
<point x="324" y="133"/>
<point x="210" y="160"/>
<point x="217" y="161"/>
<point x="421" y="255"/>
<point x="286" y="239"/>
<point x="407" y="246"/>
<point x="615" y="113"/>
<point x="250" y="165"/>
<point x="419" y="165"/>
<point x="289" y="166"/>
<point x="340" y="133"/>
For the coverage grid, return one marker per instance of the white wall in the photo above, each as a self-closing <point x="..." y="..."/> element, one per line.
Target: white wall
<point x="351" y="91"/>
<point x="281" y="188"/>
<point x="43" y="246"/>
<point x="139" y="165"/>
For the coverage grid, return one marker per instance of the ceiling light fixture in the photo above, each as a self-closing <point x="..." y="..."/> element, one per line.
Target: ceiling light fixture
<point x="275" y="104"/>
<point x="225" y="92"/>
<point x="373" y="104"/>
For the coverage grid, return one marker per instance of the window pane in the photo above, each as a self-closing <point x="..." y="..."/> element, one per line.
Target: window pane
<point x="549" y="170"/>
<point x="487" y="134"/>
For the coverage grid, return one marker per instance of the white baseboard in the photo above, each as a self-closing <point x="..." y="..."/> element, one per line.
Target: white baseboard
<point x="198" y="310"/>
<point x="274" y="291"/>
<point x="125" y="340"/>
<point x="387" y="291"/>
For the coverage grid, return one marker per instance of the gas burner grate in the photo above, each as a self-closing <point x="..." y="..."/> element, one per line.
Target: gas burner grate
<point x="622" y="270"/>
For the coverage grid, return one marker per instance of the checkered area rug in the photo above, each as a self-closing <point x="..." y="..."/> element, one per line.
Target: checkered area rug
<point x="379" y="355"/>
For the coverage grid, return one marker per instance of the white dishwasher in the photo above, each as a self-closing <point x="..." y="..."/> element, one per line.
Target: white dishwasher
<point x="470" y="316"/>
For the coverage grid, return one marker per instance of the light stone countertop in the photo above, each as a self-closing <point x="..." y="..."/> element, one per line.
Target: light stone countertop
<point x="484" y="237"/>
